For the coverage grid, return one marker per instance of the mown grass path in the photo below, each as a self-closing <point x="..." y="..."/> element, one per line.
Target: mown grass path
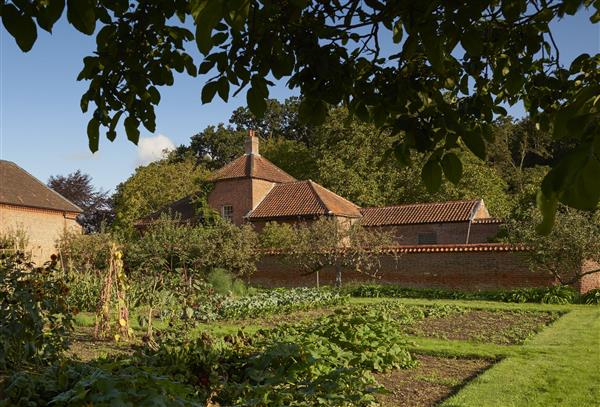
<point x="558" y="367"/>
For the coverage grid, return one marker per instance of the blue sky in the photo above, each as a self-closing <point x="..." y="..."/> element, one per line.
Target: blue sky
<point x="43" y="130"/>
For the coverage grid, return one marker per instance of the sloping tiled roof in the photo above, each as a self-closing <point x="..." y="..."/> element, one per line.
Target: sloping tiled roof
<point x="19" y="188"/>
<point x="252" y="166"/>
<point x="454" y="211"/>
<point x="183" y="208"/>
<point x="302" y="198"/>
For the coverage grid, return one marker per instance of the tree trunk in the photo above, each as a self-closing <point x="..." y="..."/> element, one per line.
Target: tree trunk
<point x="338" y="276"/>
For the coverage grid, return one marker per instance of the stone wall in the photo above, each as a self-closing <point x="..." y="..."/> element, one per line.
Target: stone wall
<point x="43" y="227"/>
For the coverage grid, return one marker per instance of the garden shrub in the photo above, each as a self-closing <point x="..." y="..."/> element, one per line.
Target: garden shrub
<point x="169" y="246"/>
<point x="15" y="240"/>
<point x="84" y="253"/>
<point x="591" y="297"/>
<point x="84" y="291"/>
<point x="35" y="319"/>
<point x="225" y="284"/>
<point x="549" y="295"/>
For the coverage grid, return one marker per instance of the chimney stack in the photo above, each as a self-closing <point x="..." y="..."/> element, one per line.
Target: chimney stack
<point x="251" y="143"/>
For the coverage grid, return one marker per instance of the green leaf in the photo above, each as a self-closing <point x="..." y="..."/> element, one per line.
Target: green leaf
<point x="111" y="134"/>
<point x="256" y="100"/>
<point x="131" y="128"/>
<point x="547" y="206"/>
<point x="452" y="167"/>
<point x="207" y="14"/>
<point x="208" y="92"/>
<point x="432" y="175"/>
<point x="93" y="133"/>
<point x="223" y="88"/>
<point x="49" y="14"/>
<point x="432" y="43"/>
<point x="82" y="14"/>
<point x="474" y="141"/>
<point x="397" y="32"/>
<point x="20" y="26"/>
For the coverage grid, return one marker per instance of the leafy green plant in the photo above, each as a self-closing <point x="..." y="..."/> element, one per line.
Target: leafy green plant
<point x="272" y="302"/>
<point x="35" y="319"/>
<point x="84" y="253"/>
<point x="326" y="362"/>
<point x="224" y="283"/>
<point x="550" y="295"/>
<point x="591" y="297"/>
<point x="103" y="383"/>
<point x="84" y="291"/>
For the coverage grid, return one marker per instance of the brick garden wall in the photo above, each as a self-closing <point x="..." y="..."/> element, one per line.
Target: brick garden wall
<point x="590" y="281"/>
<point x="459" y="267"/>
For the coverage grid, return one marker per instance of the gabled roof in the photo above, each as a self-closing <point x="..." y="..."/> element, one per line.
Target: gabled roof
<point x="19" y="188"/>
<point x="252" y="166"/>
<point x="302" y="199"/>
<point x="438" y="212"/>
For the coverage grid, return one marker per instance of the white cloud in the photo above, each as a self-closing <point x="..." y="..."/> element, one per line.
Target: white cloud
<point x="151" y="149"/>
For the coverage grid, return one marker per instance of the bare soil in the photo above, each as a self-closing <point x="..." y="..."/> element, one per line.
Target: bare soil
<point x="499" y="327"/>
<point x="85" y="347"/>
<point x="434" y="380"/>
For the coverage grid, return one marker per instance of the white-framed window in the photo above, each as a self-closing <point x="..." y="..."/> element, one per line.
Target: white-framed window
<point x="227" y="212"/>
<point x="427" y="238"/>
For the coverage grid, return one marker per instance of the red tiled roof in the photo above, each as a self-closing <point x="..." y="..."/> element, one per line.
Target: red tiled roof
<point x="439" y="248"/>
<point x="302" y="198"/>
<point x="19" y="188"/>
<point x="252" y="166"/>
<point x="438" y="212"/>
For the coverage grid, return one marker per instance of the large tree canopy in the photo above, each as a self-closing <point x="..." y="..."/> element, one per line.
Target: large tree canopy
<point x="96" y="204"/>
<point x="454" y="67"/>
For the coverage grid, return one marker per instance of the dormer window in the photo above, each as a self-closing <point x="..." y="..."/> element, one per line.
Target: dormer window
<point x="227" y="212"/>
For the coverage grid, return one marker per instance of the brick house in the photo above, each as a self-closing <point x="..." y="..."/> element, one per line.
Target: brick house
<point x="439" y="244"/>
<point x="252" y="189"/>
<point x="28" y="205"/>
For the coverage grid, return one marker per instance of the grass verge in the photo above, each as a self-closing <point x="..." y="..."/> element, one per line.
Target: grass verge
<point x="558" y="367"/>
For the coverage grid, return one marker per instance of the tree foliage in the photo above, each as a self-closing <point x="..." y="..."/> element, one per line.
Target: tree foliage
<point x="153" y="186"/>
<point x="169" y="246"/>
<point x="96" y="204"/>
<point x="327" y="243"/>
<point x="452" y="69"/>
<point x="573" y="243"/>
<point x="84" y="254"/>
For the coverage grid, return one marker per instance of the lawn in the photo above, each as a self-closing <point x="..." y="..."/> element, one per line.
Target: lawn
<point x="469" y="353"/>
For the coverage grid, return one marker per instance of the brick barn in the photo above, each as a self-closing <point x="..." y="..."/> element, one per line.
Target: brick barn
<point x="28" y="205"/>
<point x="251" y="189"/>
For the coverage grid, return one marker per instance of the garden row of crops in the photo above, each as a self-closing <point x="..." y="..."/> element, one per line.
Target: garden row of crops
<point x="268" y="302"/>
<point x="328" y="361"/>
<point x="559" y="294"/>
